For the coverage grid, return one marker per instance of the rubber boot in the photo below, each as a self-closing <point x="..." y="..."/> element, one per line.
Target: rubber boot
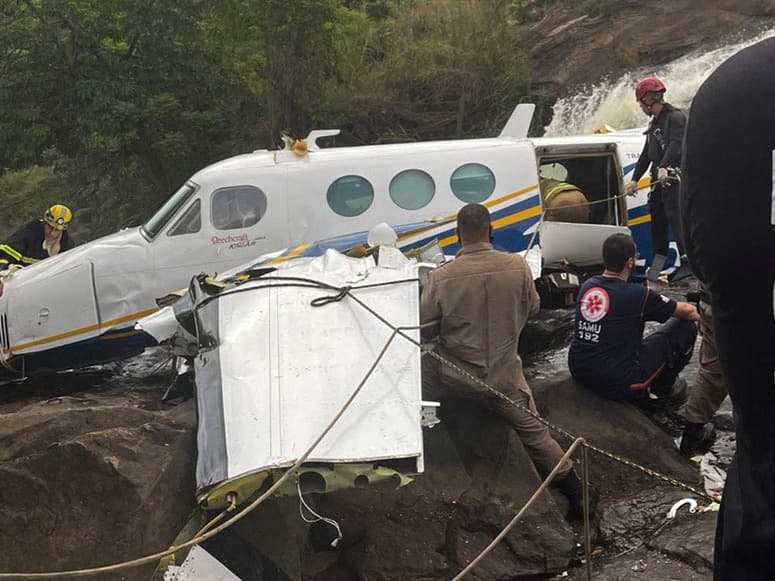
<point x="697" y="438"/>
<point x="571" y="487"/>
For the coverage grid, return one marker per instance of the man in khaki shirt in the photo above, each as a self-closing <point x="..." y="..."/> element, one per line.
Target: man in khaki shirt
<point x="480" y="302"/>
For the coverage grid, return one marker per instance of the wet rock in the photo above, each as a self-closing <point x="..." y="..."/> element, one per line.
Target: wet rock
<point x="619" y="428"/>
<point x="688" y="538"/>
<point x="477" y="478"/>
<point x="646" y="565"/>
<point x="624" y="521"/>
<point x="548" y="329"/>
<point x="89" y="480"/>
<point x="571" y="48"/>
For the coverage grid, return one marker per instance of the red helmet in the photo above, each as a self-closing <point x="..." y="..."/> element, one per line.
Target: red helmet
<point x="648" y="85"/>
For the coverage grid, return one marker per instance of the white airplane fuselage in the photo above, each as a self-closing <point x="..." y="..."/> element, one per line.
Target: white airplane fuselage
<point x="80" y="307"/>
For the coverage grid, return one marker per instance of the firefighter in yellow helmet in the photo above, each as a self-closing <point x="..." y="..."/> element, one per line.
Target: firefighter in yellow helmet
<point x="38" y="239"/>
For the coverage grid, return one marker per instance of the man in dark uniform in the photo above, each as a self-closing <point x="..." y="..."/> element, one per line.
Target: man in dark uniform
<point x="608" y="353"/>
<point x="728" y="205"/>
<point x="480" y="302"/>
<point x="662" y="152"/>
<point x="38" y="239"/>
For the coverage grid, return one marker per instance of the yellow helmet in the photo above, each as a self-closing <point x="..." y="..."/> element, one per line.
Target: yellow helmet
<point x="58" y="216"/>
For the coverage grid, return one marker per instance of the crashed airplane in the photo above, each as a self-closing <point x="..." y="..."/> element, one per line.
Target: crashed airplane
<point x="80" y="307"/>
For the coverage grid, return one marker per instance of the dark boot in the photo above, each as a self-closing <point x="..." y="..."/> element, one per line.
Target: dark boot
<point x="660" y="398"/>
<point x="697" y="438"/>
<point x="571" y="487"/>
<point x="674" y="396"/>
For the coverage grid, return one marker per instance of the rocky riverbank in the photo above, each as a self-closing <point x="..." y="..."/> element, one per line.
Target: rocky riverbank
<point x="95" y="469"/>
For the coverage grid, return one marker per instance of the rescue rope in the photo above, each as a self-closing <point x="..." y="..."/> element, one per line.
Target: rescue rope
<point x="207" y="532"/>
<point x="548" y="424"/>
<point x="593" y="202"/>
<point x="200" y="538"/>
<point x="544" y="485"/>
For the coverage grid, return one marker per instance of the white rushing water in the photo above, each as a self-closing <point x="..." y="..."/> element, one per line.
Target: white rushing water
<point x="612" y="102"/>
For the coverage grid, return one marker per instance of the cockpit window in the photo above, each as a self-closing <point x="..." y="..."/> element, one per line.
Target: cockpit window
<point x="159" y="220"/>
<point x="190" y="222"/>
<point x="237" y="207"/>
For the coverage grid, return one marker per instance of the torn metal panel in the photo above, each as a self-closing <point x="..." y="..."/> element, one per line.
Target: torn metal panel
<point x="272" y="370"/>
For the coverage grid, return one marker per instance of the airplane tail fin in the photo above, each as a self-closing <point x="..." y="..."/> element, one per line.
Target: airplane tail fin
<point x="519" y="123"/>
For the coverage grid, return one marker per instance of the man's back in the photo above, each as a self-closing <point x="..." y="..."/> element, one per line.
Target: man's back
<point x="482" y="299"/>
<point x="608" y="328"/>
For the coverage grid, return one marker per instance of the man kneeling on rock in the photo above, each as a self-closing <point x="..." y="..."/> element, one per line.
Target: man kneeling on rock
<point x="608" y="353"/>
<point x="477" y="305"/>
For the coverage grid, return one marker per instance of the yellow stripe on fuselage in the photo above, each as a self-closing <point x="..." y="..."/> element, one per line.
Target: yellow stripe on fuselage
<point x="500" y="223"/>
<point x="88" y="329"/>
<point x="453" y="217"/>
<point x="292" y="254"/>
<point x="639" y="220"/>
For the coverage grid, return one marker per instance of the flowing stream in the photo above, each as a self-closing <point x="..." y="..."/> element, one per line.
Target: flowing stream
<point x="612" y="101"/>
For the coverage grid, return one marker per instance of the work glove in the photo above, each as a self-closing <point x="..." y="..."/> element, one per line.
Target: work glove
<point x="631" y="188"/>
<point x="662" y="175"/>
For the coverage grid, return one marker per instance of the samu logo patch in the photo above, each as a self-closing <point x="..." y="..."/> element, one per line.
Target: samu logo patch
<point x="594" y="304"/>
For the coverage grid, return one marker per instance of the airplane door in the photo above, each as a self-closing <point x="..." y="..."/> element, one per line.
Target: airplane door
<point x="221" y="227"/>
<point x="40" y="318"/>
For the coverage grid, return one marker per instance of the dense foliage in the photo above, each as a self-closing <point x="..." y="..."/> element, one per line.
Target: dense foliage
<point x="109" y="105"/>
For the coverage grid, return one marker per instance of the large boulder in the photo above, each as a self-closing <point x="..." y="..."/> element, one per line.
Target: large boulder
<point x="477" y="477"/>
<point x="89" y="480"/>
<point x="619" y="428"/>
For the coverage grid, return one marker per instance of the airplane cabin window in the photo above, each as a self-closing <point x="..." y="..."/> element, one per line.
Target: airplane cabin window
<point x="472" y="183"/>
<point x="237" y="207"/>
<point x="190" y="222"/>
<point x="350" y="196"/>
<point x="412" y="189"/>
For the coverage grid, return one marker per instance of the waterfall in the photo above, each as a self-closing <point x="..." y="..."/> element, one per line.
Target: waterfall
<point x="613" y="102"/>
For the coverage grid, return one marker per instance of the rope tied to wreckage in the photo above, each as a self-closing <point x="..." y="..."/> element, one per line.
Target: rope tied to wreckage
<point x="209" y="530"/>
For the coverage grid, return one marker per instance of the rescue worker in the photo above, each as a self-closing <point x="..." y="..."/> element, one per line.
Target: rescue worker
<point x="564" y="202"/>
<point x="709" y="390"/>
<point x="38" y="239"/>
<point x="662" y="153"/>
<point x="608" y="353"/>
<point x="727" y="206"/>
<point x="479" y="303"/>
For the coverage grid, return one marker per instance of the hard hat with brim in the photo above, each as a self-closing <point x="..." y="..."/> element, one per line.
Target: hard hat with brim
<point x="58" y="216"/>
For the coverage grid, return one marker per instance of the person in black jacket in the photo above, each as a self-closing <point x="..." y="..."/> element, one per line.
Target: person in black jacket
<point x="727" y="203"/>
<point x="38" y="239"/>
<point x="662" y="152"/>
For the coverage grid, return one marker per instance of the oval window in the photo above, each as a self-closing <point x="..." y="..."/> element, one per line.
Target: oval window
<point x="350" y="196"/>
<point x="412" y="189"/>
<point x="472" y="183"/>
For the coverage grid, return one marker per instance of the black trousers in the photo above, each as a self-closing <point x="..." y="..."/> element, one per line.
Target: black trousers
<point x="664" y="354"/>
<point x="665" y="212"/>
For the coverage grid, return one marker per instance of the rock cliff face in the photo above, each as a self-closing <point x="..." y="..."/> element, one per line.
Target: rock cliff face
<point x="568" y="50"/>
